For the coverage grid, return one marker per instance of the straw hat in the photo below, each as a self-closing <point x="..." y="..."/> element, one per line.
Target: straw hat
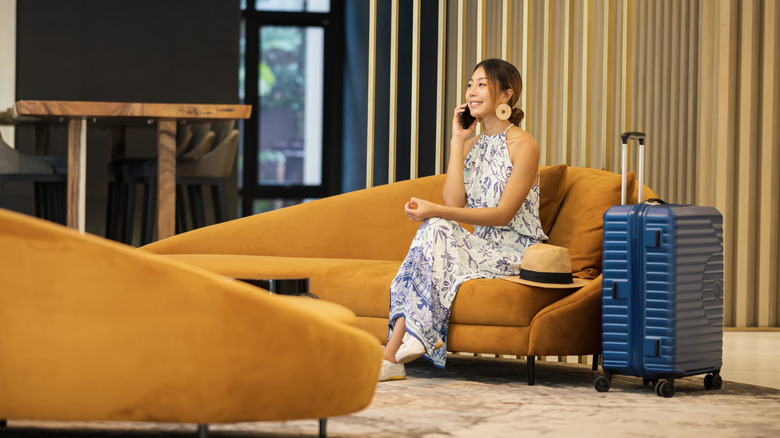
<point x="548" y="266"/>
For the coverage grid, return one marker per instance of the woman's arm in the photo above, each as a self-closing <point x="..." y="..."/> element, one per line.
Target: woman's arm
<point x="524" y="154"/>
<point x="454" y="191"/>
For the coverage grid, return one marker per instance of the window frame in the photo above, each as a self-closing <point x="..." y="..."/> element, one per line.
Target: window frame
<point x="332" y="24"/>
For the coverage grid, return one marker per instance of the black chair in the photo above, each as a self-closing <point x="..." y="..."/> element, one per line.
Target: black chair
<point x="47" y="173"/>
<point x="198" y="165"/>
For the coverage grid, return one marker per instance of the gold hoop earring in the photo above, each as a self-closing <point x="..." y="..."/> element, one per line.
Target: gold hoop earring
<point x="503" y="111"/>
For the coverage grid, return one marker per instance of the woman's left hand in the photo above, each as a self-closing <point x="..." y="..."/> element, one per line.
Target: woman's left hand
<point x="419" y="209"/>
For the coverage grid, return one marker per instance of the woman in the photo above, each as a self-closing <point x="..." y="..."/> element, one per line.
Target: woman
<point x="493" y="183"/>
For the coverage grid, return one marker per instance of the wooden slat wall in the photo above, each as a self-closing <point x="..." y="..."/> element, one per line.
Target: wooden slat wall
<point x="738" y="144"/>
<point x="700" y="77"/>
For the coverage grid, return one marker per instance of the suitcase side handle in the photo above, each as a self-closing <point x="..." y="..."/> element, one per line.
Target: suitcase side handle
<point x="625" y="137"/>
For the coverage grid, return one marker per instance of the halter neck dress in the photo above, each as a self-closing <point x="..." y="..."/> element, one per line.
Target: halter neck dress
<point x="444" y="255"/>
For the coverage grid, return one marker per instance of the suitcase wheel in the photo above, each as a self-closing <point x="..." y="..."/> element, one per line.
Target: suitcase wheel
<point x="665" y="388"/>
<point x="713" y="381"/>
<point x="602" y="384"/>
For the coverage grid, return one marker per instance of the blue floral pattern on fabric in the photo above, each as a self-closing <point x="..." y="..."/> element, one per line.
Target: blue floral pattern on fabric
<point x="443" y="255"/>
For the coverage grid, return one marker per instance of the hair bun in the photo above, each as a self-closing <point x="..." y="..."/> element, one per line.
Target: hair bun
<point x="517" y="116"/>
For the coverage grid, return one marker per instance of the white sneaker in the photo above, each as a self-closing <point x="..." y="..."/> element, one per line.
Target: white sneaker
<point x="410" y="349"/>
<point x="391" y="371"/>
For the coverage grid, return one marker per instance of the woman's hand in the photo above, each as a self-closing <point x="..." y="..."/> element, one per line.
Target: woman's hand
<point x="457" y="128"/>
<point x="419" y="209"/>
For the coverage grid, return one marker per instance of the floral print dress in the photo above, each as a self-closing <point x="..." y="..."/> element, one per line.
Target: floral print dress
<point x="443" y="254"/>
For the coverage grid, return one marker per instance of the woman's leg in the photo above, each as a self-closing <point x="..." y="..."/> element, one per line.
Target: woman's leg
<point x="394" y="343"/>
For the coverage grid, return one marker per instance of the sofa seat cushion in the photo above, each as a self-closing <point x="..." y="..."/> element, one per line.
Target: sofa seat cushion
<point x="363" y="286"/>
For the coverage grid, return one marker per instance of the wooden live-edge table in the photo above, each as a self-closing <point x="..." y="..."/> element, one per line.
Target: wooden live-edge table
<point x="165" y="115"/>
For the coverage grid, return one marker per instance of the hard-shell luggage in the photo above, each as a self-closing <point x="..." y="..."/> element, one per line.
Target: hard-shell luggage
<point x="662" y="291"/>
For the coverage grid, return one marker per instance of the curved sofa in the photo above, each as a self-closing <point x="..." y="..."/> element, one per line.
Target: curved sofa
<point x="96" y="330"/>
<point x="352" y="245"/>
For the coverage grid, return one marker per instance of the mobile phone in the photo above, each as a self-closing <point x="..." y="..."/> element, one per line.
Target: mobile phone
<point x="466" y="119"/>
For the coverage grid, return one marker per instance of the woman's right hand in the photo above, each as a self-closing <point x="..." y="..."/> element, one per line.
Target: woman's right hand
<point x="457" y="128"/>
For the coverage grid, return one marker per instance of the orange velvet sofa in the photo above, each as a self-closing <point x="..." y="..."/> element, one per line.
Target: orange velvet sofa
<point x="97" y="330"/>
<point x="351" y="246"/>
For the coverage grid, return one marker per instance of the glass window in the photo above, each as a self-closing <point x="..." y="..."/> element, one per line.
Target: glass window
<point x="293" y="5"/>
<point x="290" y="92"/>
<point x="290" y="146"/>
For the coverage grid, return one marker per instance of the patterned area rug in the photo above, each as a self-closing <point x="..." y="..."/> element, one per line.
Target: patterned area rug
<point x="488" y="397"/>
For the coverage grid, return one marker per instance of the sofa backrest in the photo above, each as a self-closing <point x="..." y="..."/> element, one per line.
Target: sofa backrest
<point x="370" y="223"/>
<point x="579" y="220"/>
<point x="364" y="224"/>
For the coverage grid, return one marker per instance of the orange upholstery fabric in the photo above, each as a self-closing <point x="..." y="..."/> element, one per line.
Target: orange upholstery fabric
<point x="352" y="245"/>
<point x="580" y="221"/>
<point x="95" y="330"/>
<point x="366" y="224"/>
<point x="363" y="286"/>
<point x="552" y="188"/>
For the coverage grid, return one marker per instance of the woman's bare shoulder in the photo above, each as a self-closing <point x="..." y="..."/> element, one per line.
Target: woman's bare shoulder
<point x="519" y="140"/>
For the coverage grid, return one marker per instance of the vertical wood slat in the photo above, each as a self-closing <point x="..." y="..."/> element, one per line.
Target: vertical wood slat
<point x="391" y="145"/>
<point x="565" y="134"/>
<point x="460" y="76"/>
<point x="744" y="280"/>
<point x="662" y="132"/>
<point x="598" y="157"/>
<point x="654" y="122"/>
<point x="506" y="36"/>
<point x="640" y="68"/>
<point x="706" y="123"/>
<point x="589" y="94"/>
<point x="481" y="29"/>
<point x="542" y="136"/>
<point x="622" y="111"/>
<point x="683" y="101"/>
<point x="609" y="48"/>
<point x="724" y="140"/>
<point x="580" y="71"/>
<point x="768" y="257"/>
<point x="370" y="112"/>
<point x="675" y="99"/>
<point x="524" y="62"/>
<point x="415" y="100"/>
<point x="441" y="108"/>
<point x="693" y="166"/>
<point x="628" y="55"/>
<point x="77" y="165"/>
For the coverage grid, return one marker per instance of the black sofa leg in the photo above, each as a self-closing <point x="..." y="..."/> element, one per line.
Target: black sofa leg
<point x="203" y="431"/>
<point x="595" y="362"/>
<point x="530" y="361"/>
<point x="323" y="427"/>
<point x="3" y="423"/>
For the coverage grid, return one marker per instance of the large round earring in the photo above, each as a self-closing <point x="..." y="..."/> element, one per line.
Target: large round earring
<point x="503" y="111"/>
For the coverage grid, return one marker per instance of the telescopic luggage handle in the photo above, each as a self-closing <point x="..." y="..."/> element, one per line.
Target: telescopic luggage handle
<point x="625" y="137"/>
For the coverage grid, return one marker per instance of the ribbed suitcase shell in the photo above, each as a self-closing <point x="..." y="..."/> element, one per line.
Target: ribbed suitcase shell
<point x="662" y="307"/>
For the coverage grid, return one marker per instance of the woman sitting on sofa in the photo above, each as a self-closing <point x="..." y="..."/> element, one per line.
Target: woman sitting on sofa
<point x="493" y="183"/>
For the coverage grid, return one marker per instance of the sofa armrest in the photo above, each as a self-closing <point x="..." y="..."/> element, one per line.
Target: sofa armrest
<point x="93" y="330"/>
<point x="570" y="326"/>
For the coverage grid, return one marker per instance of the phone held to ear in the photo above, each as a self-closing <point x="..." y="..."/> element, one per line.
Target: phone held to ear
<point x="466" y="119"/>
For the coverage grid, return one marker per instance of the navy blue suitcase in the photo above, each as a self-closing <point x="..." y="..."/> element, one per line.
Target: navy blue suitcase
<point x="662" y="292"/>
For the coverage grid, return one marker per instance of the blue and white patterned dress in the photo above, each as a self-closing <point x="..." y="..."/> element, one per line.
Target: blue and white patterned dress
<point x="443" y="255"/>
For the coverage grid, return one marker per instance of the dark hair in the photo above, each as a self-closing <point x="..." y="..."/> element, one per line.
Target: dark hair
<point x="503" y="76"/>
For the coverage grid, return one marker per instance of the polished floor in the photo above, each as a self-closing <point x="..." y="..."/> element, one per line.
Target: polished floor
<point x="752" y="357"/>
